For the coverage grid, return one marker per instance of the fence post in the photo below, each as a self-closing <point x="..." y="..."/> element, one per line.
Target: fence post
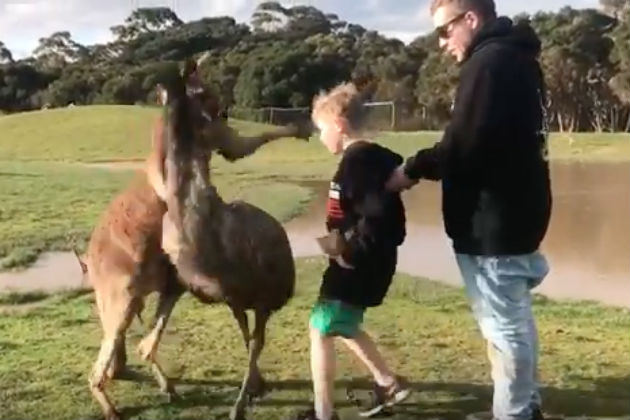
<point x="393" y="115"/>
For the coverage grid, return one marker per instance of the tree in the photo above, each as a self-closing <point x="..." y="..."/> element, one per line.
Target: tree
<point x="614" y="8"/>
<point x="57" y="50"/>
<point x="268" y="16"/>
<point x="145" y="20"/>
<point x="21" y="86"/>
<point x="79" y="85"/>
<point x="286" y="74"/>
<point x="293" y="52"/>
<point x="435" y="89"/>
<point x="620" y="82"/>
<point x="294" y="22"/>
<point x="5" y="55"/>
<point x="576" y="62"/>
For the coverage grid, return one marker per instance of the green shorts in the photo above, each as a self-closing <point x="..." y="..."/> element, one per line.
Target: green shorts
<point x="333" y="317"/>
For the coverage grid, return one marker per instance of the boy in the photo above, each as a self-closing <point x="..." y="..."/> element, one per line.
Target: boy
<point x="366" y="225"/>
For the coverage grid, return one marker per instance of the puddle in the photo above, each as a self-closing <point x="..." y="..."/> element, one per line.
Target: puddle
<point x="53" y="271"/>
<point x="587" y="245"/>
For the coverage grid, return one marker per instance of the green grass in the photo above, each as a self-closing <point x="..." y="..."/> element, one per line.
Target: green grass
<point x="84" y="133"/>
<point x="48" y="342"/>
<point x="49" y="206"/>
<point x="591" y="147"/>
<point x="110" y="133"/>
<point x="50" y="202"/>
<point x="425" y="330"/>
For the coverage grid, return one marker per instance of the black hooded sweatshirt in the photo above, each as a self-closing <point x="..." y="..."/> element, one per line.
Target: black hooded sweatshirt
<point x="492" y="159"/>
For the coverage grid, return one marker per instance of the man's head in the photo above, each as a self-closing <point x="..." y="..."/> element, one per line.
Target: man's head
<point x="338" y="114"/>
<point x="457" y="21"/>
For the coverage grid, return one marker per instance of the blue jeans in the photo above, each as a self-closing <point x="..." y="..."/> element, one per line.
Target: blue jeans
<point x="499" y="292"/>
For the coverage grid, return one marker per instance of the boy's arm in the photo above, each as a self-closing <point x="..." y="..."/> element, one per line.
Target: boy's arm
<point x="233" y="146"/>
<point x="365" y="194"/>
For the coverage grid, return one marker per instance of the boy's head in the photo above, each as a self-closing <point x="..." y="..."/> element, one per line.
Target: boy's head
<point x="338" y="114"/>
<point x="457" y="21"/>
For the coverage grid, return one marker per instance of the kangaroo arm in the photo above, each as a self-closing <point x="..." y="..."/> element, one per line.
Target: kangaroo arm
<point x="155" y="168"/>
<point x="232" y="146"/>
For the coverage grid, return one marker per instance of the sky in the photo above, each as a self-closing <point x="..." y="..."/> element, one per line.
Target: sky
<point x="23" y="22"/>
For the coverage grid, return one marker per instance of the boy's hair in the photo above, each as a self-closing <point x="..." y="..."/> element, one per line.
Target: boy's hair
<point x="344" y="100"/>
<point x="485" y="8"/>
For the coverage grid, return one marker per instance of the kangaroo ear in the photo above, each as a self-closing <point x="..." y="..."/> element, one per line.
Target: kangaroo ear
<point x="162" y="94"/>
<point x="190" y="67"/>
<point x="190" y="76"/>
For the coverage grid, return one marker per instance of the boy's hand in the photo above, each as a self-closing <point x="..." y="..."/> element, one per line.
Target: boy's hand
<point x="343" y="264"/>
<point x="332" y="244"/>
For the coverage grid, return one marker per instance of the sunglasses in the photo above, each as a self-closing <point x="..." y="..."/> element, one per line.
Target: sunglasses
<point x="444" y="31"/>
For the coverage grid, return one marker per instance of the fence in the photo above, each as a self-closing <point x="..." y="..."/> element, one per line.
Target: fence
<point x="381" y="115"/>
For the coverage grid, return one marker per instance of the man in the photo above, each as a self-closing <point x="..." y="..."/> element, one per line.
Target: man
<point x="495" y="182"/>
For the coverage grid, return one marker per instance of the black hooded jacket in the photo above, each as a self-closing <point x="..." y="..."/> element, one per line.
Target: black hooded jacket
<point x="492" y="159"/>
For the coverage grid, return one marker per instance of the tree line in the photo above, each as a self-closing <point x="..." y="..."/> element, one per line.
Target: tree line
<point x="287" y="54"/>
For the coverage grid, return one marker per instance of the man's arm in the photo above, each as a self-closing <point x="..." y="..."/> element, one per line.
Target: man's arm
<point x="461" y="148"/>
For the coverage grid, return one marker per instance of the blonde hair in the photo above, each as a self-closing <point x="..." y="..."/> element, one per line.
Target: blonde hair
<point x="485" y="8"/>
<point x="344" y="100"/>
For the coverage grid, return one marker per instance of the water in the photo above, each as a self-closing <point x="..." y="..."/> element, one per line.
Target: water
<point x="587" y="244"/>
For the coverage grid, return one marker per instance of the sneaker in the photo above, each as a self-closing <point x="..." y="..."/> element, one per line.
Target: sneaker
<point x="384" y="397"/>
<point x="310" y="415"/>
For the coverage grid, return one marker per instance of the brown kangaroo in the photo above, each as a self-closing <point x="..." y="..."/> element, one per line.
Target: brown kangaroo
<point x="230" y="252"/>
<point x="125" y="261"/>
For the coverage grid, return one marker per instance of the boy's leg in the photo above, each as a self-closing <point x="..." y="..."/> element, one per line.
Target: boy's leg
<point x="499" y="292"/>
<point x="323" y="373"/>
<point x="389" y="389"/>
<point x="365" y="349"/>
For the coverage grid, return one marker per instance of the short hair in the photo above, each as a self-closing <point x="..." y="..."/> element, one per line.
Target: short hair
<point x="485" y="8"/>
<point x="344" y="100"/>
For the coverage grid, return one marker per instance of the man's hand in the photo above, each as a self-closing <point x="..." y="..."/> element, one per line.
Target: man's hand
<point x="398" y="181"/>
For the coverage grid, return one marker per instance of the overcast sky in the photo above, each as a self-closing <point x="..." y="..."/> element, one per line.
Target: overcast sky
<point x="23" y="22"/>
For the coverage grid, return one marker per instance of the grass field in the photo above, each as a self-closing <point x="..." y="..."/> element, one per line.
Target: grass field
<point x="47" y="346"/>
<point x="51" y="199"/>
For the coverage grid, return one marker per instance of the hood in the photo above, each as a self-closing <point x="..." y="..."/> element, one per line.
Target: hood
<point x="502" y="30"/>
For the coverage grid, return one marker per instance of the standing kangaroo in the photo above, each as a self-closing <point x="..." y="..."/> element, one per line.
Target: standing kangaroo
<point x="230" y="252"/>
<point x="125" y="261"/>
